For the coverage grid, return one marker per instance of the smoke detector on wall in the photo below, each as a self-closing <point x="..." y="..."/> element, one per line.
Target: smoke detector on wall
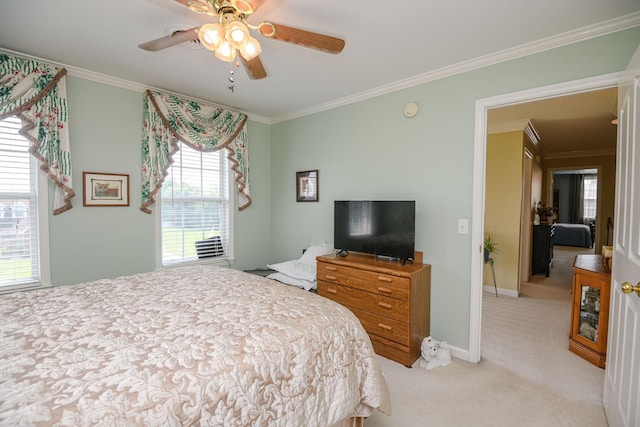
<point x="411" y="109"/>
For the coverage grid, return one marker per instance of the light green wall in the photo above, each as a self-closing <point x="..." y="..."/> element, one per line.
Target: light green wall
<point x="370" y="150"/>
<point x="363" y="150"/>
<point x="503" y="206"/>
<point x="253" y="224"/>
<point x="89" y="243"/>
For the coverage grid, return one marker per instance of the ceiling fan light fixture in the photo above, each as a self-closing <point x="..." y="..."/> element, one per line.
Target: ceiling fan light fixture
<point x="199" y="7"/>
<point x="211" y="36"/>
<point x="226" y="52"/>
<point x="237" y="34"/>
<point x="242" y="6"/>
<point x="251" y="49"/>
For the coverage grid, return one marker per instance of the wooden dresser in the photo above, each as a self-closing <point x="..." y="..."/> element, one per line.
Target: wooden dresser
<point x="542" y="249"/>
<point x="391" y="300"/>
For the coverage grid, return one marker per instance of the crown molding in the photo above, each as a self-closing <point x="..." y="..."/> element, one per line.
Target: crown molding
<point x="581" y="34"/>
<point x="575" y="36"/>
<point x="585" y="153"/>
<point x="532" y="133"/>
<point x="127" y="84"/>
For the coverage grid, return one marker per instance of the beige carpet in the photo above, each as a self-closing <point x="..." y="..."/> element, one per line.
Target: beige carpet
<point x="527" y="376"/>
<point x="529" y="335"/>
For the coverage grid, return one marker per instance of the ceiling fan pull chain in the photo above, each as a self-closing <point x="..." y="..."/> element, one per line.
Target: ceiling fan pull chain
<point x="232" y="79"/>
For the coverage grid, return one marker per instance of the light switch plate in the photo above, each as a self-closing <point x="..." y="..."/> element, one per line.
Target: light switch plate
<point x="463" y="226"/>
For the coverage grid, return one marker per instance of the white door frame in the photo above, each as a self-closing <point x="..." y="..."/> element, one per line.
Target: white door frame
<point x="480" y="150"/>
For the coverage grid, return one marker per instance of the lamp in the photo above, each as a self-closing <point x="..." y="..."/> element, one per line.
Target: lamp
<point x="228" y="36"/>
<point x="211" y="36"/>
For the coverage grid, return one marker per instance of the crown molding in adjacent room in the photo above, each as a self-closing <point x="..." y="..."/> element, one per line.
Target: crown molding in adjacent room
<point x="584" y="153"/>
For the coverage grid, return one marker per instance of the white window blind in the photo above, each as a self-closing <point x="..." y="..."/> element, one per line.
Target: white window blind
<point x="590" y="194"/>
<point x="195" y="204"/>
<point x="19" y="253"/>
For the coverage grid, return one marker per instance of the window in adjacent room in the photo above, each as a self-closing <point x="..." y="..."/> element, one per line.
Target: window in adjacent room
<point x="590" y="196"/>
<point x="195" y="204"/>
<point x="24" y="252"/>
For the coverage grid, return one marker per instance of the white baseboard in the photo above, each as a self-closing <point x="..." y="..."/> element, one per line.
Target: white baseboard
<point x="459" y="353"/>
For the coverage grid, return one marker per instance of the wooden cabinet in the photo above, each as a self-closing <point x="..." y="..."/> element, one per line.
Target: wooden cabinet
<point x="542" y="249"/>
<point x="391" y="300"/>
<point x="590" y="308"/>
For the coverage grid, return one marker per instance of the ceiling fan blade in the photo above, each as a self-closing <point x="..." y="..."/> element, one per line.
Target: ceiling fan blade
<point x="172" y="39"/>
<point x="254" y="68"/>
<point x="256" y="4"/>
<point x="185" y="2"/>
<point x="302" y="37"/>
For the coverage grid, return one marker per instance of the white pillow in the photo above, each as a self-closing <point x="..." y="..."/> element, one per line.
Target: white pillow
<point x="296" y="269"/>
<point x="292" y="281"/>
<point x="313" y="251"/>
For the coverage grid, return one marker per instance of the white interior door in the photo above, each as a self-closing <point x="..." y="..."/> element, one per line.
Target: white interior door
<point x="622" y="373"/>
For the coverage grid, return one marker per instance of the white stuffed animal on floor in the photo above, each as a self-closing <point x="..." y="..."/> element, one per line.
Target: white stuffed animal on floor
<point x="434" y="353"/>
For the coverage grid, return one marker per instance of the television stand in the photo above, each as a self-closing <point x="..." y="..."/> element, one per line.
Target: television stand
<point x="392" y="301"/>
<point x="342" y="253"/>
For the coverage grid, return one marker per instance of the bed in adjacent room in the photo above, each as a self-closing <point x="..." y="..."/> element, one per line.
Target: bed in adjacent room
<point x="197" y="345"/>
<point x="572" y="235"/>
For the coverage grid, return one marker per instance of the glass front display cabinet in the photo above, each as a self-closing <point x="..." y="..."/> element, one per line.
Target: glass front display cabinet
<point x="590" y="308"/>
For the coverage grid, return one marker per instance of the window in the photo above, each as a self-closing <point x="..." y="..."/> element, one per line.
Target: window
<point x="590" y="196"/>
<point x="23" y="218"/>
<point x="195" y="204"/>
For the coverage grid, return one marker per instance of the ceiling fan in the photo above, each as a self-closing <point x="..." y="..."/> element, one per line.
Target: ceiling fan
<point x="228" y="36"/>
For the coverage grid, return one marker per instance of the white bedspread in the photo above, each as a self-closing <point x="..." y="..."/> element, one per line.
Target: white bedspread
<point x="187" y="346"/>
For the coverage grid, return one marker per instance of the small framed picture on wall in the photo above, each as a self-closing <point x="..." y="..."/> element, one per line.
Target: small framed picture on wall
<point x="307" y="186"/>
<point x="105" y="189"/>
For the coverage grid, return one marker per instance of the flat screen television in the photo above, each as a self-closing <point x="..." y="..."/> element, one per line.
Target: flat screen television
<point x="379" y="227"/>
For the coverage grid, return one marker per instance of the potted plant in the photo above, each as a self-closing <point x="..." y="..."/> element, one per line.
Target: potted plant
<point x="490" y="246"/>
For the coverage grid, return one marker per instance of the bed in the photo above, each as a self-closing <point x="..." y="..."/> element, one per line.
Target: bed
<point x="197" y="345"/>
<point x="572" y="235"/>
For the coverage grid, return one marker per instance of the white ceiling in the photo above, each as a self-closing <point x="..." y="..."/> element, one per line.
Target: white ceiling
<point x="388" y="45"/>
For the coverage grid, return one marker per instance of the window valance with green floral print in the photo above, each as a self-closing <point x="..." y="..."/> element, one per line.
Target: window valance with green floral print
<point x="36" y="93"/>
<point x="169" y="118"/>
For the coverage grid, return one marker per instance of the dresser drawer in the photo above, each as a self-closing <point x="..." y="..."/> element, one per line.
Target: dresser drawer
<point x="375" y="303"/>
<point x="383" y="326"/>
<point x="369" y="281"/>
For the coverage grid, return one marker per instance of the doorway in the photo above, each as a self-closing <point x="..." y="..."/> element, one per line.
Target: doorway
<point x="547" y="193"/>
<point x="480" y="146"/>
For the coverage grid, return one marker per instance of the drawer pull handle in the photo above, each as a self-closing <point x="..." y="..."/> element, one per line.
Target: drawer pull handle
<point x="332" y="290"/>
<point x="384" y="305"/>
<point x="330" y="277"/>
<point x="384" y="279"/>
<point x="331" y="268"/>
<point x="385" y="327"/>
<point x="384" y="290"/>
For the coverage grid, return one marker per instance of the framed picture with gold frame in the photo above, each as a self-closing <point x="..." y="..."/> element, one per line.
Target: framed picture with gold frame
<point x="307" y="186"/>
